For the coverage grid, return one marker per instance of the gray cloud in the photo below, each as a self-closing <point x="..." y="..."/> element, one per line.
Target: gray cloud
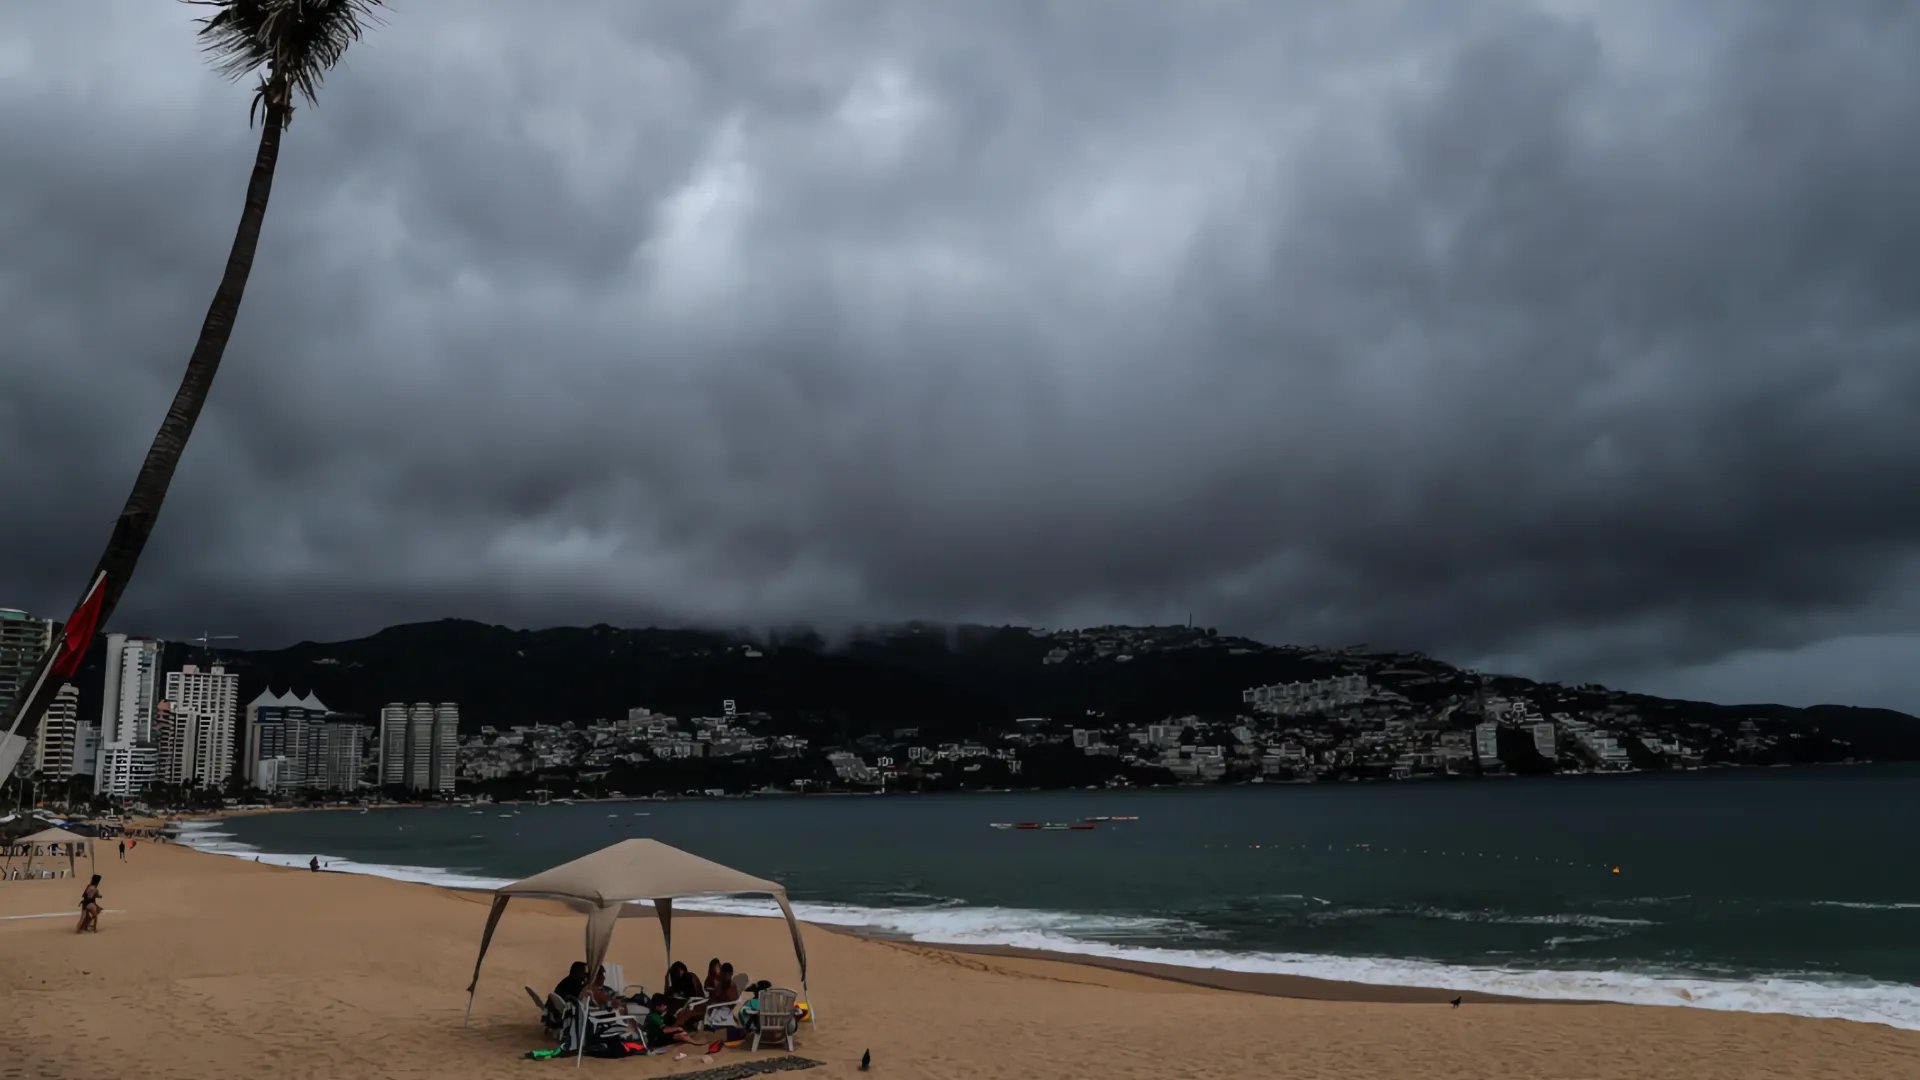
<point x="1577" y="337"/>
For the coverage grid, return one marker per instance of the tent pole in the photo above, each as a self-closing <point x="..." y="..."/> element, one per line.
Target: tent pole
<point x="813" y="1014"/>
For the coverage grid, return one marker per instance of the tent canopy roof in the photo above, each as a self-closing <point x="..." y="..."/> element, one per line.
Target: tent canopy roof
<point x="638" y="870"/>
<point x="51" y="836"/>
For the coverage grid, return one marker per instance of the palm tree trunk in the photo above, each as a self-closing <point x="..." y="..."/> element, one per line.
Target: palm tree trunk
<point x="135" y="523"/>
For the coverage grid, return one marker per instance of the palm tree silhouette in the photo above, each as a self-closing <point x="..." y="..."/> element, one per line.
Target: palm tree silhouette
<point x="290" y="45"/>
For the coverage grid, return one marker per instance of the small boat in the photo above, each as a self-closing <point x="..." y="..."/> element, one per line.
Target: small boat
<point x="506" y="815"/>
<point x="1000" y="825"/>
<point x="1124" y="819"/>
<point x="1055" y="827"/>
<point x="1028" y="825"/>
<point x="1081" y="826"/>
<point x="1097" y="819"/>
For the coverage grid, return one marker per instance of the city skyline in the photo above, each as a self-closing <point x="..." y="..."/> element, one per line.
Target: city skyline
<point x="186" y="727"/>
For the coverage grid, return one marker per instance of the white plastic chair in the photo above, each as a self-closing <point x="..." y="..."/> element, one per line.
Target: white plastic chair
<point x="778" y="1017"/>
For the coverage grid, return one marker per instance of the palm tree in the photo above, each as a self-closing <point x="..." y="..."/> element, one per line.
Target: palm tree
<point x="290" y="45"/>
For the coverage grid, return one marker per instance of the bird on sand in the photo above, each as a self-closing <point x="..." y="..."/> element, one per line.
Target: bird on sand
<point x="1455" y="1002"/>
<point x="866" y="1060"/>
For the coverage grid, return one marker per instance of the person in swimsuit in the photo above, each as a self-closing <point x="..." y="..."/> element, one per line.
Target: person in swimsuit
<point x="90" y="907"/>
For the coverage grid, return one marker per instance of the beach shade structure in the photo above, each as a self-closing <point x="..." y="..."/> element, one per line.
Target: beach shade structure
<point x="609" y="884"/>
<point x="52" y="838"/>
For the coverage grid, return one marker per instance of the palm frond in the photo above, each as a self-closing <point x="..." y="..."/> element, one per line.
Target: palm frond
<point x="296" y="41"/>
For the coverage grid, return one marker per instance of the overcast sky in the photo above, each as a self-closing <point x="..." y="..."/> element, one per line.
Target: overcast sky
<point x="1580" y="339"/>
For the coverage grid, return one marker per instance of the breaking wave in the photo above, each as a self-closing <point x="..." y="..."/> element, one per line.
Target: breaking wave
<point x="937" y="920"/>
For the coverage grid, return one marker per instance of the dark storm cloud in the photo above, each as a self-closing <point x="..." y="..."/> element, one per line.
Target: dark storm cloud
<point x="1579" y="336"/>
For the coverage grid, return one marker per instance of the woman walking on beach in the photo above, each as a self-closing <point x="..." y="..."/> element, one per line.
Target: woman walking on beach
<point x="90" y="907"/>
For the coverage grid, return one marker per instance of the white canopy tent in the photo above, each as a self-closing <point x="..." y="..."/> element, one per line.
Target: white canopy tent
<point x="607" y="885"/>
<point x="52" y="838"/>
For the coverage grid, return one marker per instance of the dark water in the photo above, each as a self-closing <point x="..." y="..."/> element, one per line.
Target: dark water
<point x="1771" y="890"/>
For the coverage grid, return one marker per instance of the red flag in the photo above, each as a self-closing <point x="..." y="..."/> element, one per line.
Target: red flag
<point x="78" y="634"/>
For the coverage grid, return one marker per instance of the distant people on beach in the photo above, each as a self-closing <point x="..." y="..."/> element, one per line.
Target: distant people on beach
<point x="123" y="851"/>
<point x="90" y="907"/>
<point x="314" y="864"/>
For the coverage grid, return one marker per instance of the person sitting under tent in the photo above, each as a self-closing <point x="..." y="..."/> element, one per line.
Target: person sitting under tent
<point x="659" y="1027"/>
<point x="569" y="988"/>
<point x="682" y="986"/>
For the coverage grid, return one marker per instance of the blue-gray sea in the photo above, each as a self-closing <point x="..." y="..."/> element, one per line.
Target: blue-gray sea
<point x="1776" y="890"/>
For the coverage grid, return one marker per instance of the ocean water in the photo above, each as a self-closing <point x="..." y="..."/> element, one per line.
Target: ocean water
<point x="1780" y="890"/>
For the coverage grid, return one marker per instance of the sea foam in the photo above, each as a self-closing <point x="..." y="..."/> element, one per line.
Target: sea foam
<point x="1078" y="934"/>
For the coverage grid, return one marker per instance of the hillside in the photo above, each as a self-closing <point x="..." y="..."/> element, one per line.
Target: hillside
<point x="955" y="682"/>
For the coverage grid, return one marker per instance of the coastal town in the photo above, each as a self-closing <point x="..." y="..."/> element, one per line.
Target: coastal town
<point x="1386" y="717"/>
<point x="179" y="731"/>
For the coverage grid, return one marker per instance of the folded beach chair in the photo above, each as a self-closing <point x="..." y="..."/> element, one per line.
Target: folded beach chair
<point x="601" y="1025"/>
<point x="776" y="1016"/>
<point x="553" y="1012"/>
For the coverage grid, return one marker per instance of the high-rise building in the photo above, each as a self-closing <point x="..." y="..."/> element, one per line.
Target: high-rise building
<point x="344" y="750"/>
<point x="282" y="727"/>
<point x="127" y="755"/>
<point x="213" y="697"/>
<point x="23" y="639"/>
<point x="446" y="746"/>
<point x="176" y="738"/>
<point x="419" y="746"/>
<point x="86" y="751"/>
<point x="59" y="749"/>
<point x="392" y="770"/>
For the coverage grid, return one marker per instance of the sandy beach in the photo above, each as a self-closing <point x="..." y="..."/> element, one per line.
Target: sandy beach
<point x="209" y="967"/>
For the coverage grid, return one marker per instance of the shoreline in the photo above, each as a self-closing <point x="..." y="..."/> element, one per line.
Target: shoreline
<point x="1261" y="983"/>
<point x="1382" y="980"/>
<point x="265" y="969"/>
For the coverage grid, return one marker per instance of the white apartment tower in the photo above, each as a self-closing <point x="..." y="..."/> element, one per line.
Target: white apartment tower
<point x="176" y="738"/>
<point x="420" y="746"/>
<point x="59" y="749"/>
<point x="446" y="746"/>
<point x="392" y="772"/>
<point x="127" y="759"/>
<point x="212" y="698"/>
